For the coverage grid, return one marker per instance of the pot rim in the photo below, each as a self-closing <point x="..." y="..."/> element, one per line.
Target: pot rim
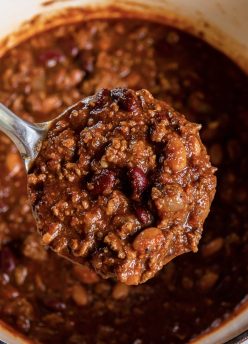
<point x="132" y="9"/>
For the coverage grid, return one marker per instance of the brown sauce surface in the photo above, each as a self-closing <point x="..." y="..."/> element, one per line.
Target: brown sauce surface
<point x="48" y="298"/>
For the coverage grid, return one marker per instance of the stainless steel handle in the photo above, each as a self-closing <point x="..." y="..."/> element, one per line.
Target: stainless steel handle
<point x="26" y="136"/>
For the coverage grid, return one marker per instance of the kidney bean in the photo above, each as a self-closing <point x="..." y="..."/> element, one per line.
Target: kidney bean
<point x="54" y="304"/>
<point x="50" y="57"/>
<point x="69" y="46"/>
<point x="7" y="260"/>
<point x="23" y="323"/>
<point x="10" y="292"/>
<point x="102" y="99"/>
<point x="87" y="61"/>
<point x="139" y="181"/>
<point x="103" y="183"/>
<point x="143" y="215"/>
<point x="125" y="99"/>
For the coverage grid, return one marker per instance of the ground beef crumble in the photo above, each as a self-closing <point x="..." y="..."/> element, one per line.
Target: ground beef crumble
<point x="122" y="182"/>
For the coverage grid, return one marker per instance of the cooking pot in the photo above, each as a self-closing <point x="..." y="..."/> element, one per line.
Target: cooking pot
<point x="224" y="24"/>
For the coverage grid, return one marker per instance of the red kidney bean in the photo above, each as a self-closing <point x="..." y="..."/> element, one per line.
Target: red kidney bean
<point x="103" y="182"/>
<point x="54" y="304"/>
<point x="51" y="57"/>
<point x="87" y="61"/>
<point x="102" y="98"/>
<point x="125" y="98"/>
<point x="143" y="215"/>
<point x="139" y="181"/>
<point x="7" y="260"/>
<point x="69" y="46"/>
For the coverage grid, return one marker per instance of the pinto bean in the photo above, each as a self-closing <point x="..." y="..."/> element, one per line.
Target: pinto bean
<point x="176" y="155"/>
<point x="150" y="239"/>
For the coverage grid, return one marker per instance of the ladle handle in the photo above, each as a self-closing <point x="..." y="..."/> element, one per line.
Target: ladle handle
<point x="26" y="136"/>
